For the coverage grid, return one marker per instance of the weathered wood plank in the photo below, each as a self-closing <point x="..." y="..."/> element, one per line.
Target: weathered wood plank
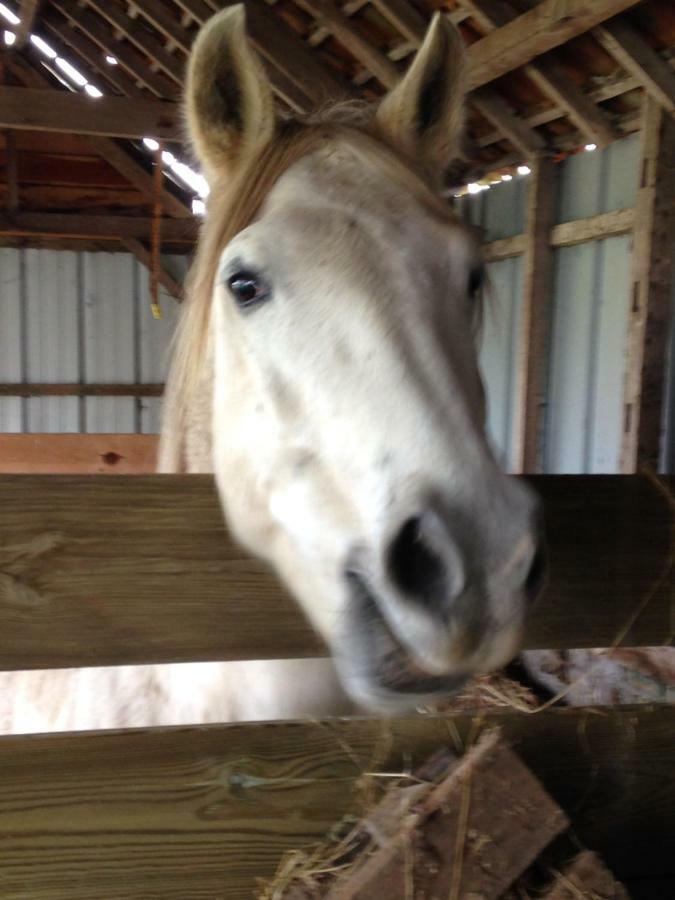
<point x="604" y="225"/>
<point x="28" y="11"/>
<point x="52" y="110"/>
<point x="531" y="388"/>
<point x="549" y="77"/>
<point x="652" y="275"/>
<point x="78" y="454"/>
<point x="550" y="24"/>
<point x="75" y="389"/>
<point x="635" y="55"/>
<point x="100" y="571"/>
<point x="203" y="812"/>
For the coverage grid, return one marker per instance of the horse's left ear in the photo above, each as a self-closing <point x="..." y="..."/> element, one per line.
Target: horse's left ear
<point x="424" y="114"/>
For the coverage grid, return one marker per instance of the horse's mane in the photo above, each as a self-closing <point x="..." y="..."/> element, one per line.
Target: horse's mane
<point x="234" y="201"/>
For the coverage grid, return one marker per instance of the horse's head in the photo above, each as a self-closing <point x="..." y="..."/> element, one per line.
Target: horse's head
<point x="338" y="296"/>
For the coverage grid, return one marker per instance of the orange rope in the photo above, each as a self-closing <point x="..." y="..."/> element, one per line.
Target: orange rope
<point x="156" y="246"/>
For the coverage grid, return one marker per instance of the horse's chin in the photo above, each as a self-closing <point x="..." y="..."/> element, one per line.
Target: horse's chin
<point x="407" y="697"/>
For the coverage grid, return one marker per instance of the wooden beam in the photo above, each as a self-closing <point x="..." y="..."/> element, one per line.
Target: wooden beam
<point x="79" y="225"/>
<point x="604" y="225"/>
<point x="75" y="389"/>
<point x="86" y="49"/>
<point x="578" y="231"/>
<point x="78" y="454"/>
<point x="107" y="148"/>
<point x="635" y="55"/>
<point x="144" y="256"/>
<point x="549" y="78"/>
<point x="505" y="248"/>
<point x="205" y="812"/>
<point x="172" y="66"/>
<point x="652" y="284"/>
<point x="27" y="13"/>
<point x="52" y="110"/>
<point x="495" y="109"/>
<point x="550" y="24"/>
<point x="158" y="580"/>
<point x="97" y="30"/>
<point x="534" y="317"/>
<point x="331" y="17"/>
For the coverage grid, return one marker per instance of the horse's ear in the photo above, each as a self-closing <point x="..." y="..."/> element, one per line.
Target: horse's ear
<point x="424" y="113"/>
<point x="229" y="103"/>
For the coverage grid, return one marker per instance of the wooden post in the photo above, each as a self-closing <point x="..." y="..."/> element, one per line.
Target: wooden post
<point x="651" y="281"/>
<point x="535" y="315"/>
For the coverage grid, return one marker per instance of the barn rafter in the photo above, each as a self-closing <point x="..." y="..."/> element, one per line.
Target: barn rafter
<point x="546" y="79"/>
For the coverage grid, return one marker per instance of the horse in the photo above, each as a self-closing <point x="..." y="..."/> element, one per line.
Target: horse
<point x="325" y="371"/>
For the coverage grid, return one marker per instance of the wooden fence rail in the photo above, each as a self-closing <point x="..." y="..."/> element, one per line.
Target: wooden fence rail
<point x="203" y="812"/>
<point x="138" y="569"/>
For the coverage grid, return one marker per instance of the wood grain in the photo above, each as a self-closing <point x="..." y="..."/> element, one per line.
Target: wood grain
<point x="203" y="812"/>
<point x="78" y="454"/>
<point x="100" y="571"/>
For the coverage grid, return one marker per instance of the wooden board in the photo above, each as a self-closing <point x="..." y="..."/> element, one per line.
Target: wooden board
<point x="97" y="571"/>
<point x="52" y="110"/>
<point x="78" y="454"/>
<point x="202" y="812"/>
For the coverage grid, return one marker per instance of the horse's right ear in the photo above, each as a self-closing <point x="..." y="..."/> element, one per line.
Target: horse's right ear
<point x="229" y="103"/>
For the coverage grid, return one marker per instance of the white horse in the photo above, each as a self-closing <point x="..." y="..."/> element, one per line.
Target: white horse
<point x="325" y="370"/>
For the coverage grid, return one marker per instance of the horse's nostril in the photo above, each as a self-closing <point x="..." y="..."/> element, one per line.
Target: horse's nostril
<point x="537" y="574"/>
<point x="414" y="566"/>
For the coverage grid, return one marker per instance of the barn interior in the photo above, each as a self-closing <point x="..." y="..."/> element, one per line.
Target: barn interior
<point x="566" y="173"/>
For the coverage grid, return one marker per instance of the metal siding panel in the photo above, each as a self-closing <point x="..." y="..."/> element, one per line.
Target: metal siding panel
<point x="109" y="350"/>
<point x="52" y="338"/>
<point x="623" y="162"/>
<point x="499" y="353"/>
<point x="504" y="209"/>
<point x="580" y="186"/>
<point x="154" y="339"/>
<point x="10" y="336"/>
<point x="569" y="372"/>
<point x="613" y="301"/>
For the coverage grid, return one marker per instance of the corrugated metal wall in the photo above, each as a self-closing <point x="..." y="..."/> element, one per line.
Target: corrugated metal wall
<point x="80" y="317"/>
<point x="68" y="316"/>
<point x="591" y="291"/>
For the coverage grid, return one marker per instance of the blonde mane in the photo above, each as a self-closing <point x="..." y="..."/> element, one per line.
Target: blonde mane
<point x="234" y="201"/>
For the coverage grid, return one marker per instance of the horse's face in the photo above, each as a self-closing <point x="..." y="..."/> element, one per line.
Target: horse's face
<point x="348" y="434"/>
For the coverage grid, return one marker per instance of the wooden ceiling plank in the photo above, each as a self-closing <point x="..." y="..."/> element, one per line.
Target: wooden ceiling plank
<point x="170" y="65"/>
<point x="27" y="13"/>
<point x="320" y="34"/>
<point x="550" y="24"/>
<point x="404" y="17"/>
<point x="591" y="121"/>
<point x="93" y="55"/>
<point x="105" y="147"/>
<point x="101" y="34"/>
<point x="331" y="17"/>
<point x="278" y="43"/>
<point x="54" y="110"/>
<point x="635" y="55"/>
<point x="495" y="109"/>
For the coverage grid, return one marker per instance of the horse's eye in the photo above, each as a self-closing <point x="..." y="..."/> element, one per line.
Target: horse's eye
<point x="476" y="279"/>
<point x="248" y="289"/>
